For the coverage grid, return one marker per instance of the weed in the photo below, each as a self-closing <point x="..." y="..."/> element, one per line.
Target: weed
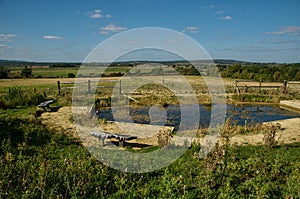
<point x="270" y="134"/>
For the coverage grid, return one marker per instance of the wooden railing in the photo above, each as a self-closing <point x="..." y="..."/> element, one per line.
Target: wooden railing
<point x="241" y="85"/>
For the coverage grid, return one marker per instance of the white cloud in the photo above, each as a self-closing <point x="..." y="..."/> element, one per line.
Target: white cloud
<point x="190" y="29"/>
<point x="111" y="28"/>
<point x="104" y="32"/>
<point x="294" y="30"/>
<point x="51" y="37"/>
<point x="7" y="37"/>
<point x="96" y="14"/>
<point x="108" y="16"/>
<point x="215" y="6"/>
<point x="226" y="18"/>
<point x="281" y="41"/>
<point x="4" y="46"/>
<point x="134" y="42"/>
<point x="219" y="12"/>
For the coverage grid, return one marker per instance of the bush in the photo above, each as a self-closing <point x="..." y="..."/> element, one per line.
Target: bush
<point x="71" y="75"/>
<point x="270" y="134"/>
<point x="3" y="72"/>
<point x="26" y="72"/>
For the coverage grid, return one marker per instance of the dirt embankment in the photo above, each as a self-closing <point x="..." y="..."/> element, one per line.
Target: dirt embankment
<point x="290" y="133"/>
<point x="61" y="121"/>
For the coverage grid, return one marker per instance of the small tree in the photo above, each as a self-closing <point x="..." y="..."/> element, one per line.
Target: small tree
<point x="71" y="75"/>
<point x="270" y="135"/>
<point x="276" y="76"/>
<point x="297" y="76"/>
<point x="3" y="72"/>
<point x="26" y="72"/>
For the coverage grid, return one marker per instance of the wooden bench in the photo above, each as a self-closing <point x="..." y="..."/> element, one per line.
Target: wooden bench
<point x="106" y="135"/>
<point x="46" y="105"/>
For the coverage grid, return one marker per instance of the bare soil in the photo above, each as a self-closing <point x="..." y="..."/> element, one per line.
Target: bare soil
<point x="290" y="133"/>
<point x="61" y="121"/>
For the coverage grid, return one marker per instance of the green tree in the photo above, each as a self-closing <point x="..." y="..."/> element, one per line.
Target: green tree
<point x="71" y="75"/>
<point x="4" y="72"/>
<point x="292" y="72"/>
<point x="297" y="76"/>
<point x="276" y="76"/>
<point x="26" y="72"/>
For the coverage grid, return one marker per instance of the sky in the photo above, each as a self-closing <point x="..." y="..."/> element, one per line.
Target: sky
<point x="67" y="31"/>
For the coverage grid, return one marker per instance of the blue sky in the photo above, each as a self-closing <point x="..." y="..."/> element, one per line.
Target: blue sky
<point x="65" y="30"/>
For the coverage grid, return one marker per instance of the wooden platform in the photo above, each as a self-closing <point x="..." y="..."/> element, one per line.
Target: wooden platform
<point x="292" y="105"/>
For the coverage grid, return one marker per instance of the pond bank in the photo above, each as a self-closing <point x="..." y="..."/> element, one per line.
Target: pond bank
<point x="290" y="133"/>
<point x="61" y="122"/>
<point x="291" y="105"/>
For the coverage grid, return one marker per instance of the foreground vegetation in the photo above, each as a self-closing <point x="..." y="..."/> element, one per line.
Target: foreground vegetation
<point x="38" y="163"/>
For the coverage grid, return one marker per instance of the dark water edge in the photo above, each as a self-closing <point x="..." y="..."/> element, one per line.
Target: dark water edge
<point x="171" y="116"/>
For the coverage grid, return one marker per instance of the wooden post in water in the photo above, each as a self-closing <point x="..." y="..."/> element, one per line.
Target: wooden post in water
<point x="58" y="87"/>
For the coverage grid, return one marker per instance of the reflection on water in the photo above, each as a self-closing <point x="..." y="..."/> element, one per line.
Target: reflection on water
<point x="171" y="115"/>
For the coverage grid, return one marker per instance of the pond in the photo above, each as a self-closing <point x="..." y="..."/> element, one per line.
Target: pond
<point x="171" y="115"/>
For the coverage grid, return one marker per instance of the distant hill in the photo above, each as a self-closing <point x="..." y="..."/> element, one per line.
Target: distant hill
<point x="17" y="63"/>
<point x="128" y="63"/>
<point x="230" y="61"/>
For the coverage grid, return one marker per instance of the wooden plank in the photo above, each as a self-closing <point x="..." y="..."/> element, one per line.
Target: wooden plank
<point x="259" y="86"/>
<point x="246" y="80"/>
<point x="46" y="103"/>
<point x="293" y="82"/>
<point x="66" y="82"/>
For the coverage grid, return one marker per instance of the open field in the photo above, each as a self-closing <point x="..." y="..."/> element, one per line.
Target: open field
<point x="195" y="81"/>
<point x="63" y="72"/>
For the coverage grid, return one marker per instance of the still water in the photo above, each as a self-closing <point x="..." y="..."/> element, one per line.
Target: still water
<point x="171" y="115"/>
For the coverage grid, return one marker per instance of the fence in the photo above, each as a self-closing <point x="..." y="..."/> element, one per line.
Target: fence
<point x="293" y="86"/>
<point x="89" y="86"/>
<point x="245" y="85"/>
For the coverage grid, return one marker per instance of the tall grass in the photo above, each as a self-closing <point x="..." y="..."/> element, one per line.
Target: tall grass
<point x="38" y="163"/>
<point x="16" y="97"/>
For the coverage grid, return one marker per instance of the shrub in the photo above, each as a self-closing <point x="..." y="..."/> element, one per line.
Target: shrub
<point x="71" y="75"/>
<point x="270" y="134"/>
<point x="26" y="72"/>
<point x="3" y="72"/>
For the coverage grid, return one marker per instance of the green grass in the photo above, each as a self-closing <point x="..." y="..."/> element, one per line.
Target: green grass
<point x="53" y="72"/>
<point x="64" y="71"/>
<point x="38" y="163"/>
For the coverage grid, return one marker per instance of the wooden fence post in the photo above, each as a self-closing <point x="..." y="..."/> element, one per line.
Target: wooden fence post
<point x="236" y="86"/>
<point x="58" y="87"/>
<point x="120" y="87"/>
<point x="260" y="84"/>
<point x="285" y="86"/>
<point x="89" y="86"/>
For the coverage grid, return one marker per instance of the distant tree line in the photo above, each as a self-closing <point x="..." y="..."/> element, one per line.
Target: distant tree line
<point x="276" y="72"/>
<point x="62" y="65"/>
